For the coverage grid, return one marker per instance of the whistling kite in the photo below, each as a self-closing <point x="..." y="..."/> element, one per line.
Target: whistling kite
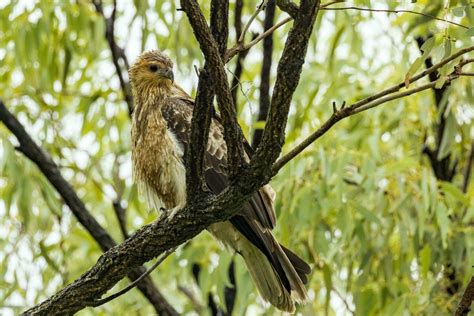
<point x="160" y="135"/>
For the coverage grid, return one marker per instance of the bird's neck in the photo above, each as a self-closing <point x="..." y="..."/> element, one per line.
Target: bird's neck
<point x="146" y="93"/>
<point x="149" y="100"/>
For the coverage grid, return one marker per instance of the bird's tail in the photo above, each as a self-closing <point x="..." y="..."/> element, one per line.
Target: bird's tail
<point x="279" y="280"/>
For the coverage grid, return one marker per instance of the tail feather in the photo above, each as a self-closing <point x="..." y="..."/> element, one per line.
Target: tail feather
<point x="266" y="279"/>
<point x="298" y="290"/>
<point x="301" y="267"/>
<point x="270" y="279"/>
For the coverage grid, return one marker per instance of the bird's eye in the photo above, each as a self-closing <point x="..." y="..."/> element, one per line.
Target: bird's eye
<point x="153" y="68"/>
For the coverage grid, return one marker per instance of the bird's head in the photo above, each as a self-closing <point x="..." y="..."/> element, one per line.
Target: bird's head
<point x="152" y="69"/>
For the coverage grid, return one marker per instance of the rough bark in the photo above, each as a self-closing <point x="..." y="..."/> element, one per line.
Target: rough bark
<point x="288" y="76"/>
<point x="202" y="114"/>
<point x="232" y="133"/>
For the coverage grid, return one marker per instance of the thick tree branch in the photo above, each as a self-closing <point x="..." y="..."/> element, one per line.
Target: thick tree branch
<point x="51" y="171"/>
<point x="288" y="6"/>
<point x="464" y="306"/>
<point x="148" y="242"/>
<point x="232" y="133"/>
<point x="117" y="52"/>
<point x="373" y="101"/>
<point x="203" y="108"/>
<point x="288" y="76"/>
<point x="264" y="101"/>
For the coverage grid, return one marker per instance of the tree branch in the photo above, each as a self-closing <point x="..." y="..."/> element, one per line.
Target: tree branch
<point x="264" y="101"/>
<point x="464" y="306"/>
<point x="397" y="11"/>
<point x="260" y="7"/>
<point x="232" y="133"/>
<point x="288" y="76"/>
<point x="117" y="52"/>
<point x="291" y="9"/>
<point x="51" y="172"/>
<point x="202" y="113"/>
<point x="134" y="283"/>
<point x="373" y="101"/>
<point x="441" y="167"/>
<point x="148" y="242"/>
<point x="241" y="47"/>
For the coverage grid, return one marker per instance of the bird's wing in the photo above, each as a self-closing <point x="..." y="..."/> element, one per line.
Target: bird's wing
<point x="178" y="114"/>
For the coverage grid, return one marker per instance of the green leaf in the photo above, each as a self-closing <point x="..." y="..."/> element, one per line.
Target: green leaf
<point x="327" y="275"/>
<point x="443" y="222"/>
<point x="425" y="260"/>
<point x="455" y="192"/>
<point x="426" y="48"/>
<point x="458" y="11"/>
<point x="448" y="136"/>
<point x="366" y="301"/>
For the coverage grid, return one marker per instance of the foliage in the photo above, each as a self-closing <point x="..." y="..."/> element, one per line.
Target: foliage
<point x="362" y="205"/>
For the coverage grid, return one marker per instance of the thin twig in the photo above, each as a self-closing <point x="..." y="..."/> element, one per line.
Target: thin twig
<point x="134" y="283"/>
<point x="346" y="303"/>
<point x="231" y="52"/>
<point x="327" y="4"/>
<point x="240" y="46"/>
<point x="239" y="65"/>
<point x="394" y="96"/>
<point x="118" y="53"/>
<point x="260" y="7"/>
<point x="395" y="11"/>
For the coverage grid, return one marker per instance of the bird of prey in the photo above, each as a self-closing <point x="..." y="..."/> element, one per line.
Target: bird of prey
<point x="160" y="136"/>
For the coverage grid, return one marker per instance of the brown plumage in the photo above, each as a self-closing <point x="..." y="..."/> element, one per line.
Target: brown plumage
<point x="160" y="135"/>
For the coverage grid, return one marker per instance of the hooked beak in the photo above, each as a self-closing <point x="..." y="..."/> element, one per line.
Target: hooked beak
<point x="168" y="73"/>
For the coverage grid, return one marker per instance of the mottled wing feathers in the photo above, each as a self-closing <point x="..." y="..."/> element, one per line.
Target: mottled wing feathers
<point x="178" y="114"/>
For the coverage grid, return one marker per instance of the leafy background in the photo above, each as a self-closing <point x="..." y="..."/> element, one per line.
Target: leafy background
<point x="362" y="205"/>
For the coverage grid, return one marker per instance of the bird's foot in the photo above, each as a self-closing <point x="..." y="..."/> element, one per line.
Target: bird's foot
<point x="171" y="213"/>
